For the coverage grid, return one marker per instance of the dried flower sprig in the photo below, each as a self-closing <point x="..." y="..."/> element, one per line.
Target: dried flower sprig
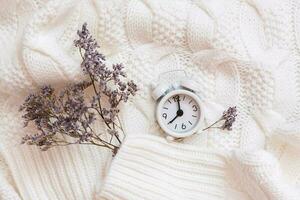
<point x="65" y="117"/>
<point x="228" y="118"/>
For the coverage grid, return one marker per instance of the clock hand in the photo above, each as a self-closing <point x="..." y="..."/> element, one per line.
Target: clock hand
<point x="178" y="101"/>
<point x="179" y="113"/>
<point x="173" y="119"/>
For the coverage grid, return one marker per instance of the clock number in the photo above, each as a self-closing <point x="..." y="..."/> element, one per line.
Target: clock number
<point x="165" y="115"/>
<point x="183" y="126"/>
<point x="195" y="108"/>
<point x="176" y="98"/>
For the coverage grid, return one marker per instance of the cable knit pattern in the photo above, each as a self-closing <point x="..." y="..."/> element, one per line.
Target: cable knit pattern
<point x="240" y="52"/>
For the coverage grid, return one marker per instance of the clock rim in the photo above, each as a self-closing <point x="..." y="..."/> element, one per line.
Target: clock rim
<point x="165" y="128"/>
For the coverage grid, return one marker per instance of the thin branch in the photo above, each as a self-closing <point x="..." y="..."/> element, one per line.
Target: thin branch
<point x="99" y="103"/>
<point x="211" y="126"/>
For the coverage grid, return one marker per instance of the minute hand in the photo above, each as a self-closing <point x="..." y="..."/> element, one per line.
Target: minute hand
<point x="173" y="119"/>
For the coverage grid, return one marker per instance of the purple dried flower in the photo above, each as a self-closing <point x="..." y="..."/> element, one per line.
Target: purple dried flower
<point x="47" y="90"/>
<point x="228" y="117"/>
<point x="66" y="118"/>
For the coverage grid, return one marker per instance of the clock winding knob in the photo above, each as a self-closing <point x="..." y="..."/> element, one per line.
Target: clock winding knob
<point x="190" y="84"/>
<point x="160" y="90"/>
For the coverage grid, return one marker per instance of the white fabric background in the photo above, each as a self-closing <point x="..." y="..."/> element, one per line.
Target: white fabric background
<point x="243" y="53"/>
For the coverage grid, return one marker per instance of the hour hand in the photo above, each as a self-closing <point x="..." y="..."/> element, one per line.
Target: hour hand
<point x="178" y="101"/>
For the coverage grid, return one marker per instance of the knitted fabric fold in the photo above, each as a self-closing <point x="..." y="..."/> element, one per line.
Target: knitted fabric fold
<point x="149" y="167"/>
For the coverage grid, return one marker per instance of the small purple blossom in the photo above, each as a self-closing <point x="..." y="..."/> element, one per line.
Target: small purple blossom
<point x="228" y="118"/>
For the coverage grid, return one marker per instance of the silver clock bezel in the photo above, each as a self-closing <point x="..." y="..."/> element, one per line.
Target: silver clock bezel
<point x="164" y="99"/>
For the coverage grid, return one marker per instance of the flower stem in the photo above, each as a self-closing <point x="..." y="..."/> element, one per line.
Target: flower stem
<point x="211" y="126"/>
<point x="99" y="103"/>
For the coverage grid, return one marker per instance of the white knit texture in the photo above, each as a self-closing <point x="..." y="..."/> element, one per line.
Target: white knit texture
<point x="149" y="167"/>
<point x="240" y="52"/>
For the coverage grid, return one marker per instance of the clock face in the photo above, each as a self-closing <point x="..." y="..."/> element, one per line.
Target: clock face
<point x="180" y="113"/>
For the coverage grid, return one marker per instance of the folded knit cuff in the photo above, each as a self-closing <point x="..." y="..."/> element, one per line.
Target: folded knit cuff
<point x="149" y="167"/>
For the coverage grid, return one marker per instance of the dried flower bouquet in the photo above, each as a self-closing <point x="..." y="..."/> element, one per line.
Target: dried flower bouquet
<point x="65" y="117"/>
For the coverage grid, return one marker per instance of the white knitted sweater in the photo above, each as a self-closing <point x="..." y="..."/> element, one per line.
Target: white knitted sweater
<point x="243" y="53"/>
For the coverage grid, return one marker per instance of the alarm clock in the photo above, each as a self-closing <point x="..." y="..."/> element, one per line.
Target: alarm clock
<point x="179" y="110"/>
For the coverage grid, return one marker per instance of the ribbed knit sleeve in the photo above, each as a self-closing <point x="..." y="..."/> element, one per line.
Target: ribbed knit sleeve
<point x="149" y="167"/>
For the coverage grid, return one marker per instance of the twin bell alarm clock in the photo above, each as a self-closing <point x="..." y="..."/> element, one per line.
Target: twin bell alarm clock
<point x="179" y="110"/>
